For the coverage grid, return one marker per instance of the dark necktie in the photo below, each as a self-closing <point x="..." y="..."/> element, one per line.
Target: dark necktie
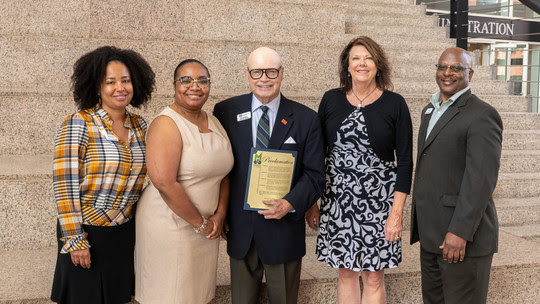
<point x="263" y="129"/>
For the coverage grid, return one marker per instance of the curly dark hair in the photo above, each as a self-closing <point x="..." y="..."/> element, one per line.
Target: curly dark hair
<point x="382" y="80"/>
<point x="189" y="61"/>
<point x="90" y="69"/>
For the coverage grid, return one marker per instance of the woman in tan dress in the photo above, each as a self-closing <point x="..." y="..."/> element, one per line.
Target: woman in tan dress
<point x="181" y="213"/>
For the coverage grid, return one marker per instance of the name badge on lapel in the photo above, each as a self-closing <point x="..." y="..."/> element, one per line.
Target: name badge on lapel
<point x="111" y="137"/>
<point x="108" y="136"/>
<point x="243" y="116"/>
<point x="102" y="130"/>
<point x="428" y="111"/>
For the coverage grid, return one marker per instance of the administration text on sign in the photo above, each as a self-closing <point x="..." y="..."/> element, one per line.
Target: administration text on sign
<point x="487" y="28"/>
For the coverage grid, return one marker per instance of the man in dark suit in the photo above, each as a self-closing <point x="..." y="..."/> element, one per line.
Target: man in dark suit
<point x="269" y="242"/>
<point x="453" y="214"/>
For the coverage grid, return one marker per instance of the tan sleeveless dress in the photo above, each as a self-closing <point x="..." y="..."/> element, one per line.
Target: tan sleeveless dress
<point x="173" y="264"/>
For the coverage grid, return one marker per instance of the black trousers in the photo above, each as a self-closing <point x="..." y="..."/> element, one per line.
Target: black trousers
<point x="449" y="283"/>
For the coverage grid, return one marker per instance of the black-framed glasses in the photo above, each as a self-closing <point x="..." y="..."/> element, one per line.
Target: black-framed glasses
<point x="453" y="68"/>
<point x="270" y="73"/>
<point x="187" y="81"/>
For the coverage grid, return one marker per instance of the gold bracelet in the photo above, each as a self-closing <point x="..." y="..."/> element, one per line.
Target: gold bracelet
<point x="203" y="226"/>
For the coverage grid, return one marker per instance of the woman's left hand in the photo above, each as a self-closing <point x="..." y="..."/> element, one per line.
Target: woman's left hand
<point x="218" y="220"/>
<point x="393" y="227"/>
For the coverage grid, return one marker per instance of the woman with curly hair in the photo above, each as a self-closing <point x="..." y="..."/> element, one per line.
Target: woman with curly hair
<point x="98" y="174"/>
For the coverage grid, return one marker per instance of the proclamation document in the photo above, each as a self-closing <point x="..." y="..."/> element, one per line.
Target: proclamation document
<point x="270" y="177"/>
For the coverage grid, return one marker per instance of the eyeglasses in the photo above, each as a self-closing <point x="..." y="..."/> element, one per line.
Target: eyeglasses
<point x="187" y="81"/>
<point x="453" y="68"/>
<point x="270" y="73"/>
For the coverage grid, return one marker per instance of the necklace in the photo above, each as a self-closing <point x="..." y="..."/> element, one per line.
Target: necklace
<point x="361" y="100"/>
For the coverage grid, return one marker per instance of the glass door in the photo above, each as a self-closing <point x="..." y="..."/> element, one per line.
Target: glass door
<point x="511" y="64"/>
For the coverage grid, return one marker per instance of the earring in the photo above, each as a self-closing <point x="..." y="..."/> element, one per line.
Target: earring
<point x="349" y="74"/>
<point x="378" y="74"/>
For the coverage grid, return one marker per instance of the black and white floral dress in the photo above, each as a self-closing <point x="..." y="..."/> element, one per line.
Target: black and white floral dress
<point x="356" y="203"/>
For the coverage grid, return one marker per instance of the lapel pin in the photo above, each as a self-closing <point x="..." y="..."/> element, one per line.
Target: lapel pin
<point x="283" y="121"/>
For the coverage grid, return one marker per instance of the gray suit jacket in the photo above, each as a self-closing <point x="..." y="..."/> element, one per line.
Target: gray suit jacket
<point x="456" y="172"/>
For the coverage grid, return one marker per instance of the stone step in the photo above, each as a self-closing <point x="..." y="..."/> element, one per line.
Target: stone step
<point x="27" y="199"/>
<point x="521" y="139"/>
<point x="433" y="34"/>
<point x="490" y="87"/>
<point x="426" y="62"/>
<point x="507" y="103"/>
<point x="531" y="232"/>
<point x="323" y="21"/>
<point x="378" y="2"/>
<point x="517" y="185"/>
<point x="161" y="22"/>
<point x="521" y="121"/>
<point x="382" y="9"/>
<point x="479" y="87"/>
<point x="27" y="274"/>
<point x="407" y="6"/>
<point x="518" y="212"/>
<point x="516" y="161"/>
<point x="412" y="18"/>
<point x="418" y="47"/>
<point x="407" y="69"/>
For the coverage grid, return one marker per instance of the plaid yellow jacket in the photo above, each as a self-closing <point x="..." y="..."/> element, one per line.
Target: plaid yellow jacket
<point x="97" y="178"/>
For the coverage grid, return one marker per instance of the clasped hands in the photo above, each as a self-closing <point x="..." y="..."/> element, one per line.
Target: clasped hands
<point x="214" y="227"/>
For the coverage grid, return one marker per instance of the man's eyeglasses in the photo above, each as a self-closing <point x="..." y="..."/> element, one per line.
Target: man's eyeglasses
<point x="453" y="68"/>
<point x="270" y="73"/>
<point x="186" y="81"/>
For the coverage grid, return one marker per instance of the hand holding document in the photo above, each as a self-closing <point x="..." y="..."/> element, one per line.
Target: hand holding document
<point x="270" y="177"/>
<point x="278" y="209"/>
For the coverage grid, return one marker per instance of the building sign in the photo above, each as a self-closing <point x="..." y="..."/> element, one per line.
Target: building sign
<point x="499" y="28"/>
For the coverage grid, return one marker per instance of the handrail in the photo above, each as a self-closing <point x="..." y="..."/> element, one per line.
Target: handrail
<point x="510" y="48"/>
<point x="434" y="2"/>
<point x="533" y="5"/>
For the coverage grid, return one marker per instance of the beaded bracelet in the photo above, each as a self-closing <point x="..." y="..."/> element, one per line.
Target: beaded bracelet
<point x="203" y="226"/>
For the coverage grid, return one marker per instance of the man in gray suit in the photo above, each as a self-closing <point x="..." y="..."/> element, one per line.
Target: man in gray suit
<point x="453" y="214"/>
